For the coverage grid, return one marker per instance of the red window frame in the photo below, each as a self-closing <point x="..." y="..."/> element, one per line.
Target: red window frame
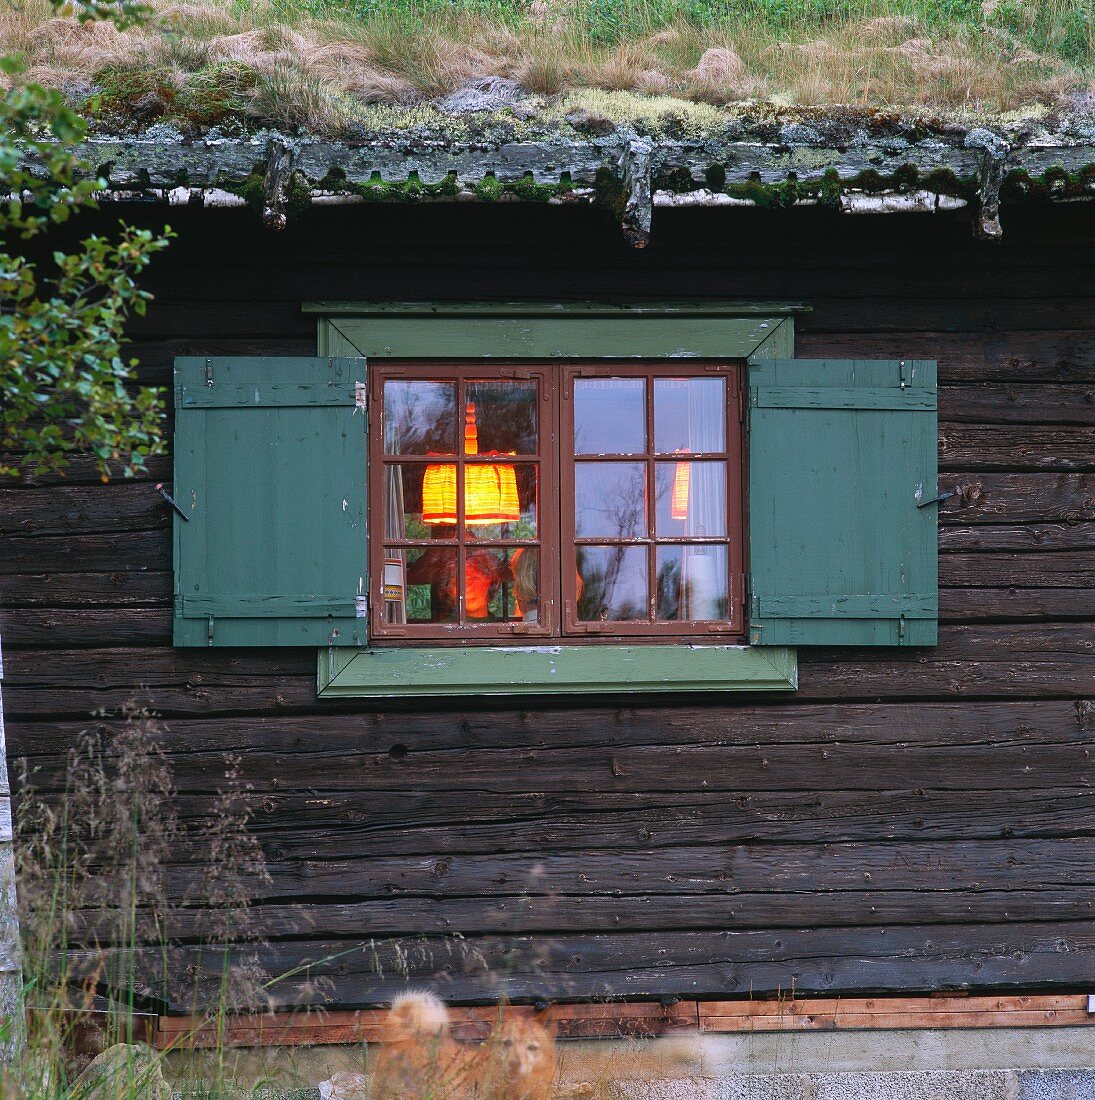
<point x="555" y="541"/>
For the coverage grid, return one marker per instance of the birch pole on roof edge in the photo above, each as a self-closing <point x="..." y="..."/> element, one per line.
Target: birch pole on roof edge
<point x="11" y="977"/>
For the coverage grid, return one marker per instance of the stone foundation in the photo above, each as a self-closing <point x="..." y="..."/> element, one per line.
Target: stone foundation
<point x="1055" y="1063"/>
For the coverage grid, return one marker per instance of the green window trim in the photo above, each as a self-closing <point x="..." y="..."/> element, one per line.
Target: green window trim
<point x="470" y="330"/>
<point x="395" y="673"/>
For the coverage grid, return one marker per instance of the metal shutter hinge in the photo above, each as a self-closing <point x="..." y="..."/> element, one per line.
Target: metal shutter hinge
<point x="209" y="631"/>
<point x="209" y="372"/>
<point x="162" y="490"/>
<point x="937" y="499"/>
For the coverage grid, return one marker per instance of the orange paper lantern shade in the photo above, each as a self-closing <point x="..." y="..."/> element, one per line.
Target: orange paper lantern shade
<point x="678" y="505"/>
<point x="490" y="488"/>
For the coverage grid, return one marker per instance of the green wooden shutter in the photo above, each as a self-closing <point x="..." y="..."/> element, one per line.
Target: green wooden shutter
<point x="841" y="453"/>
<point x="270" y="469"/>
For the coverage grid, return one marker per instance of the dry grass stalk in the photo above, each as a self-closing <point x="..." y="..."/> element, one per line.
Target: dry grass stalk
<point x="96" y="864"/>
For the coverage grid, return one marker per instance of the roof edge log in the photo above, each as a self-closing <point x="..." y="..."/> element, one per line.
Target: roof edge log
<point x="628" y="173"/>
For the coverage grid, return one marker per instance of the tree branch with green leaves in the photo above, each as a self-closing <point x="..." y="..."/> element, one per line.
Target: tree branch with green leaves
<point x="65" y="387"/>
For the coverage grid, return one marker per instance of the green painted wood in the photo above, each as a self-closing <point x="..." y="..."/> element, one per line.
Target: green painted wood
<point x="270" y="458"/>
<point x="255" y="606"/>
<point x="779" y="343"/>
<point x="848" y="606"/>
<point x="842" y="397"/>
<point x="646" y="335"/>
<point x="554" y="670"/>
<point x="840" y="554"/>
<point x="228" y="395"/>
<point x="556" y="309"/>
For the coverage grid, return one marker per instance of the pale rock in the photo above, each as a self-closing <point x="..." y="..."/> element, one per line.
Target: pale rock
<point x="123" y="1072"/>
<point x="345" y="1086"/>
<point x="488" y="93"/>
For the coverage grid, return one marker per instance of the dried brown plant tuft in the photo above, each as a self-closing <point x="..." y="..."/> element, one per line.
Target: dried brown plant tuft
<point x="99" y="850"/>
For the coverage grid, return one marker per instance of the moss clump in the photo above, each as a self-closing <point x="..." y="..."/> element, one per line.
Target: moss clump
<point x="944" y="182"/>
<point x="298" y="194"/>
<point x="1055" y="183"/>
<point x="609" y="192"/>
<point x="770" y="196"/>
<point x="251" y="187"/>
<point x="135" y="96"/>
<point x="905" y="178"/>
<point x="830" y="188"/>
<point x="715" y="175"/>
<point x="450" y="185"/>
<point x="212" y="97"/>
<point x="678" y="180"/>
<point x="488" y="189"/>
<point x="528" y="189"/>
<point x="131" y="96"/>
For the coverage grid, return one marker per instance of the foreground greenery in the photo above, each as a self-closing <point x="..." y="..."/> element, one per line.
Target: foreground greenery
<point x="64" y="386"/>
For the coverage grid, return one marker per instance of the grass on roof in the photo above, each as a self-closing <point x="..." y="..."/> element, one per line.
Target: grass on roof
<point x="324" y="66"/>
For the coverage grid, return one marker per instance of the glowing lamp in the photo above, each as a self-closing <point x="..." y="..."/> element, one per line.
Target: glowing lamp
<point x="490" y="488"/>
<point x="678" y="504"/>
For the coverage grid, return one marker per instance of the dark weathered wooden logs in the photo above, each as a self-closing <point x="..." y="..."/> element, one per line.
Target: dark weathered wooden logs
<point x="959" y="778"/>
<point x="547" y="915"/>
<point x="702" y="964"/>
<point x="634" y="722"/>
<point x="123" y="552"/>
<point x="1016" y="447"/>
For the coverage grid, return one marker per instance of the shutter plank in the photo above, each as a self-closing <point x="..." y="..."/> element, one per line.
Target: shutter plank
<point x="840" y="453"/>
<point x="270" y="471"/>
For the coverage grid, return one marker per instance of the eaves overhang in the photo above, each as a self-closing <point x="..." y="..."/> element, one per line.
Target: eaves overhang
<point x="628" y="173"/>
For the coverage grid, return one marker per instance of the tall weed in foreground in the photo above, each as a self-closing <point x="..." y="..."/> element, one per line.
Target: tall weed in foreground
<point x="99" y="845"/>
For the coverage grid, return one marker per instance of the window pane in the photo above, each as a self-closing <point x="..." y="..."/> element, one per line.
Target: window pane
<point x="609" y="416"/>
<point x="692" y="583"/>
<point x="421" y="501"/>
<point x="431" y="585"/>
<point x="612" y="583"/>
<point x="610" y="500"/>
<point x="691" y="499"/>
<point x="501" y="500"/>
<point x="419" y="418"/>
<point x="689" y="415"/>
<point x="501" y="585"/>
<point x="488" y="585"/>
<point x="524" y="564"/>
<point x="505" y="416"/>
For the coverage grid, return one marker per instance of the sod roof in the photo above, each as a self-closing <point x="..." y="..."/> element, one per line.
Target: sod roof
<point x="633" y="103"/>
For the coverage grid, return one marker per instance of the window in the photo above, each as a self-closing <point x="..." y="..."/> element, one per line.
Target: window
<point x="560" y="500"/>
<point x="628" y="499"/>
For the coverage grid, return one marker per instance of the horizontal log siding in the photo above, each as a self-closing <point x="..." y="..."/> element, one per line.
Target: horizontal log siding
<point x="908" y="821"/>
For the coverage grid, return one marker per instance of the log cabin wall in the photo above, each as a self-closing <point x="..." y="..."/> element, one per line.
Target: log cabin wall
<point x="908" y="820"/>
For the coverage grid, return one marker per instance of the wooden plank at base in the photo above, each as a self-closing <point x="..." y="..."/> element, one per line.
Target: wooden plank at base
<point x="896" y="1013"/>
<point x="646" y="1019"/>
<point x="894" y="1021"/>
<point x="638" y="1019"/>
<point x="956" y="1002"/>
